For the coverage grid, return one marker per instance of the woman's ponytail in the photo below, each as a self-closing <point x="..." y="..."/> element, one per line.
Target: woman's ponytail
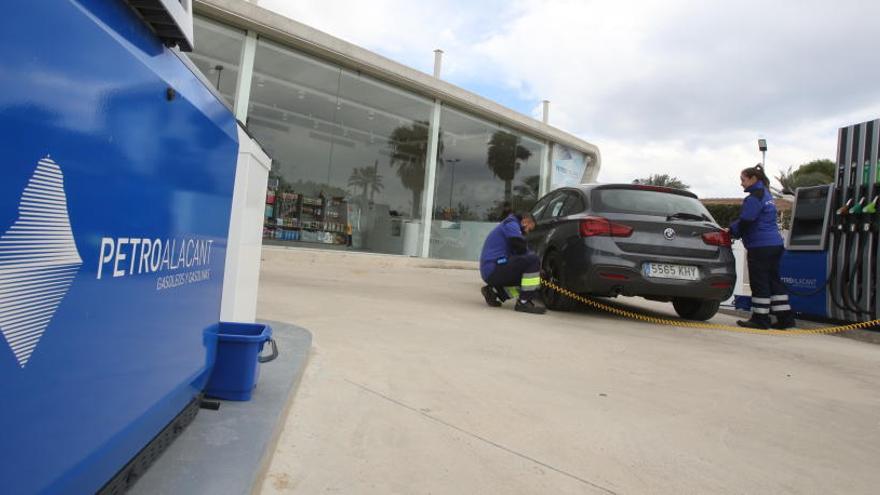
<point x="757" y="171"/>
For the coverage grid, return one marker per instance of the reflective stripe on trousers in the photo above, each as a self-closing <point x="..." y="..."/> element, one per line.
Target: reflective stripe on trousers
<point x="531" y="281"/>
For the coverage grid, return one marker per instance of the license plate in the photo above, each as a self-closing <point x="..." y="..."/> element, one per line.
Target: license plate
<point x="677" y="272"/>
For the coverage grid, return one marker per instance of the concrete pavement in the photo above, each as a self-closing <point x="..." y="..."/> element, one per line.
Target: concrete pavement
<point x="414" y="385"/>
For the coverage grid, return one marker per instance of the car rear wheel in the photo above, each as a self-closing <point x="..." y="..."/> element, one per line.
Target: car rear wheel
<point x="695" y="309"/>
<point x="552" y="267"/>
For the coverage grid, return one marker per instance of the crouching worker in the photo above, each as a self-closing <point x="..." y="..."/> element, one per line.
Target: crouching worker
<point x="508" y="267"/>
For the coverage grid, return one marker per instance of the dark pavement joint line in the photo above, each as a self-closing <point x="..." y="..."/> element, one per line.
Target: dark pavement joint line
<point x="483" y="439"/>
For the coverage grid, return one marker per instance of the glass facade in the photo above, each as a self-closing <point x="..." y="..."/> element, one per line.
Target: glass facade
<point x="348" y="152"/>
<point x="484" y="172"/>
<point x="218" y="54"/>
<point x="351" y="154"/>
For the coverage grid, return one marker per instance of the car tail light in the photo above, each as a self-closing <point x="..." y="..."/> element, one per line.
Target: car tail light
<point x="598" y="226"/>
<point x="721" y="285"/>
<point x="718" y="238"/>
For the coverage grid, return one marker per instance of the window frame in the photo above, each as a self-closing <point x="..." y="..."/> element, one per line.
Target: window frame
<point x="542" y="204"/>
<point x="573" y="195"/>
<point x="556" y="196"/>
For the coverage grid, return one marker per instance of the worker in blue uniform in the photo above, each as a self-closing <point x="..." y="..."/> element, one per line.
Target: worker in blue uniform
<point x="507" y="266"/>
<point x="756" y="226"/>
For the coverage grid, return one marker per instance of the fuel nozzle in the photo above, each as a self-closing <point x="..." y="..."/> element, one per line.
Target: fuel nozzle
<point x="871" y="207"/>
<point x="840" y="216"/>
<point x="859" y="207"/>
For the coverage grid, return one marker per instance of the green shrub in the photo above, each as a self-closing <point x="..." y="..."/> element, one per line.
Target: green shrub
<point x="724" y="214"/>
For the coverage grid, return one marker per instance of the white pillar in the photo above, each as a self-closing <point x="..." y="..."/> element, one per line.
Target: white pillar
<point x="245" y="76"/>
<point x="241" y="277"/>
<point x="430" y="179"/>
<point x="544" y="183"/>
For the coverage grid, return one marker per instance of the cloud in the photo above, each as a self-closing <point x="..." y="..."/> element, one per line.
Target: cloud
<point x="672" y="86"/>
<point x="404" y="31"/>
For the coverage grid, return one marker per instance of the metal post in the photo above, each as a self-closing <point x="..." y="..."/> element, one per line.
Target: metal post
<point x="451" y="163"/>
<point x="835" y="258"/>
<point x="219" y="69"/>
<point x="546" y="162"/>
<point x="452" y="185"/>
<point x="245" y="75"/>
<point x="438" y="61"/>
<point x="762" y="147"/>
<point x="845" y="236"/>
<point x="853" y="284"/>
<point x="872" y="254"/>
<point x="869" y="244"/>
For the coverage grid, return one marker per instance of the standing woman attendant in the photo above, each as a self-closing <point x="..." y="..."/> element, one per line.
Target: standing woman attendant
<point x="756" y="226"/>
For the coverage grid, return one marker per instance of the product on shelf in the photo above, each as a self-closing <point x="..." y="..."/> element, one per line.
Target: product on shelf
<point x="291" y="216"/>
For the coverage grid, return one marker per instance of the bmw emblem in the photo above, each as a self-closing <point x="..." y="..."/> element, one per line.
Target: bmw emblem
<point x="669" y="234"/>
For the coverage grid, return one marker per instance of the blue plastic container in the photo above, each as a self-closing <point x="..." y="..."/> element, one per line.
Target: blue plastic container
<point x="237" y="365"/>
<point x="743" y="303"/>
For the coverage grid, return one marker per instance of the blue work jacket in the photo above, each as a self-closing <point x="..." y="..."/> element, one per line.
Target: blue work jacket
<point x="756" y="225"/>
<point x="497" y="244"/>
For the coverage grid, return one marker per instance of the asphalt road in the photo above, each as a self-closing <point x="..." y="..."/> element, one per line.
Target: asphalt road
<point x="415" y="386"/>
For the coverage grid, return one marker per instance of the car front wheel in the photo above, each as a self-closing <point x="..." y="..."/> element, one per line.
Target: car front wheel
<point x="695" y="309"/>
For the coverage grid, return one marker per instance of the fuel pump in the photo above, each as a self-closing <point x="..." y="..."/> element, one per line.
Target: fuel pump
<point x="831" y="264"/>
<point x="805" y="266"/>
<point x="864" y="299"/>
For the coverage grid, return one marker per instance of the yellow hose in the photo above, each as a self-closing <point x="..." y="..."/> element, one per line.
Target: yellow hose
<point x="702" y="325"/>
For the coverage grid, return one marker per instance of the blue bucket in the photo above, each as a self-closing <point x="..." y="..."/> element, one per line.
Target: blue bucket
<point x="236" y="368"/>
<point x="743" y="303"/>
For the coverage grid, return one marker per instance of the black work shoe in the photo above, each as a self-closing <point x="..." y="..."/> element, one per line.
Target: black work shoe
<point x="784" y="324"/>
<point x="530" y="307"/>
<point x="752" y="324"/>
<point x="490" y="296"/>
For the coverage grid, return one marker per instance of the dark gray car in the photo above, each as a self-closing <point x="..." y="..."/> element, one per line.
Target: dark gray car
<point x="633" y="240"/>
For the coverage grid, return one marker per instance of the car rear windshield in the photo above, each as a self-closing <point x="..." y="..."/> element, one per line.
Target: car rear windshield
<point x="645" y="202"/>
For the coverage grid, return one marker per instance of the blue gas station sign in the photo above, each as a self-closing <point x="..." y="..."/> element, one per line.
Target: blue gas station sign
<point x="116" y="181"/>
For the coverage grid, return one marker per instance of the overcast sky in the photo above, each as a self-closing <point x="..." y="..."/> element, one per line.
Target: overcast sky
<point x="673" y="86"/>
